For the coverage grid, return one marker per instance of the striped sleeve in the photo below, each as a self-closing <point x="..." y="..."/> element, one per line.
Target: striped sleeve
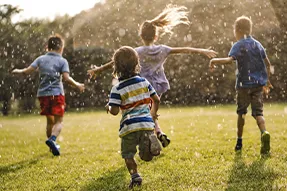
<point x="115" y="98"/>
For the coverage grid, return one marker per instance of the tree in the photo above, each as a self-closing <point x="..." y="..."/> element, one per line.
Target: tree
<point x="280" y="9"/>
<point x="7" y="37"/>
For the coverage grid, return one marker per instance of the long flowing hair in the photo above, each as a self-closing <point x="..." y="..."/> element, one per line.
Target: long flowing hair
<point x="170" y="17"/>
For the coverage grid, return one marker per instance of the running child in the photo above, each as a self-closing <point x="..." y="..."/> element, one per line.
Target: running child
<point x="52" y="68"/>
<point x="252" y="79"/>
<point x="132" y="96"/>
<point x="152" y="57"/>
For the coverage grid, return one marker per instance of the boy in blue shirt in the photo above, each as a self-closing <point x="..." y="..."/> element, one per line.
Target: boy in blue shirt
<point x="52" y="68"/>
<point x="252" y="79"/>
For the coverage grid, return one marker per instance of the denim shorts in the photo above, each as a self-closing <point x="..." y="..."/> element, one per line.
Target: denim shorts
<point x="130" y="142"/>
<point x="247" y="96"/>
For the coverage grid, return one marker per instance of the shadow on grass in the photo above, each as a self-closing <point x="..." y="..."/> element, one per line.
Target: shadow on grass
<point x="20" y="165"/>
<point x="255" y="176"/>
<point x="112" y="180"/>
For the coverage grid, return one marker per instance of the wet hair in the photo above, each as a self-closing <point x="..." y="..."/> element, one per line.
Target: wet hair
<point x="243" y="25"/>
<point x="126" y="62"/>
<point x="170" y="17"/>
<point x="55" y="42"/>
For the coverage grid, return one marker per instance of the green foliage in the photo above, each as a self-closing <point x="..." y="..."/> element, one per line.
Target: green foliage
<point x="200" y="157"/>
<point x="93" y="35"/>
<point x="113" y="24"/>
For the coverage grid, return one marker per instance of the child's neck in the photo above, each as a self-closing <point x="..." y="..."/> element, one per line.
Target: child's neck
<point x="148" y="43"/>
<point x="241" y="36"/>
<point x="127" y="77"/>
<point x="56" y="51"/>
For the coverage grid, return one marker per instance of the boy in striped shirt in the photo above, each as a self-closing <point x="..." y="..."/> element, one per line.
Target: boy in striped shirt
<point x="132" y="95"/>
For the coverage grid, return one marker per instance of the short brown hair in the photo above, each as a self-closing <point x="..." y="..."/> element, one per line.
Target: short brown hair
<point x="243" y="25"/>
<point x="55" y="42"/>
<point x="126" y="62"/>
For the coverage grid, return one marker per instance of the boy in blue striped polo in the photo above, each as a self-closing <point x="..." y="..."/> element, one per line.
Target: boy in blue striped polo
<point x="132" y="95"/>
<point x="252" y="79"/>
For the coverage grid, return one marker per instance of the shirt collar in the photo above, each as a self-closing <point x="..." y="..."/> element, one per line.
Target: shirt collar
<point x="121" y="79"/>
<point x="53" y="54"/>
<point x="248" y="36"/>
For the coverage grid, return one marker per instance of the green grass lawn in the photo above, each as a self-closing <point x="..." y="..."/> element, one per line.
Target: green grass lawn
<point x="200" y="157"/>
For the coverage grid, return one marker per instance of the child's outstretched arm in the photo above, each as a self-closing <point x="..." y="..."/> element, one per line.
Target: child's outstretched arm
<point x="27" y="70"/>
<point x="188" y="50"/>
<point x="97" y="70"/>
<point x="71" y="81"/>
<point x="217" y="61"/>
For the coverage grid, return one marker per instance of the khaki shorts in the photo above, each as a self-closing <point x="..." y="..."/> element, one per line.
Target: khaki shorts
<point x="247" y="96"/>
<point x="141" y="139"/>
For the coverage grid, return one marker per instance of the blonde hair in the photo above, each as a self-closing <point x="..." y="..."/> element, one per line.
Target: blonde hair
<point x="243" y="25"/>
<point x="126" y="62"/>
<point x="170" y="17"/>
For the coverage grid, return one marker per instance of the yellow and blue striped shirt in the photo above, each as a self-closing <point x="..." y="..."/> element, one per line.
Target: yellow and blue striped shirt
<point x="133" y="97"/>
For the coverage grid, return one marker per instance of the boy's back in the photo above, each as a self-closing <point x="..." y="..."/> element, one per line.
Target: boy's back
<point x="251" y="69"/>
<point x="133" y="97"/>
<point x="51" y="66"/>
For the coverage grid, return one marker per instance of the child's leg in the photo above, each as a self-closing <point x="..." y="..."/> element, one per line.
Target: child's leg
<point x="257" y="108"/>
<point x="265" y="136"/>
<point x="131" y="165"/>
<point x="58" y="126"/>
<point x="260" y="123"/>
<point x="136" y="179"/>
<point x="240" y="125"/>
<point x="51" y="142"/>
<point x="50" y="125"/>
<point x="161" y="136"/>
<point x="157" y="127"/>
<point x="243" y="101"/>
<point x="257" y="113"/>
<point x="129" y="144"/>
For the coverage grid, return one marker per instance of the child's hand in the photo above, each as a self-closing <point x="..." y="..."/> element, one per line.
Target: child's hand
<point x="211" y="65"/>
<point x="209" y="53"/>
<point x="81" y="87"/>
<point x="16" y="71"/>
<point x="93" y="72"/>
<point x="266" y="89"/>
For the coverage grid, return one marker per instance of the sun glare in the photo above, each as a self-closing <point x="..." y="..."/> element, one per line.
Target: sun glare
<point x="49" y="9"/>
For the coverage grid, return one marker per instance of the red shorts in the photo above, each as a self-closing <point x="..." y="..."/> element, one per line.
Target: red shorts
<point x="52" y="105"/>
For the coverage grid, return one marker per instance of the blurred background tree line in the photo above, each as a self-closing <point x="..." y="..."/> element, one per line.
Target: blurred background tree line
<point x="93" y="35"/>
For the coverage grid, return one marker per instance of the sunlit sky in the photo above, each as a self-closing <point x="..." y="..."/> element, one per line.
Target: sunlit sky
<point x="50" y="8"/>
